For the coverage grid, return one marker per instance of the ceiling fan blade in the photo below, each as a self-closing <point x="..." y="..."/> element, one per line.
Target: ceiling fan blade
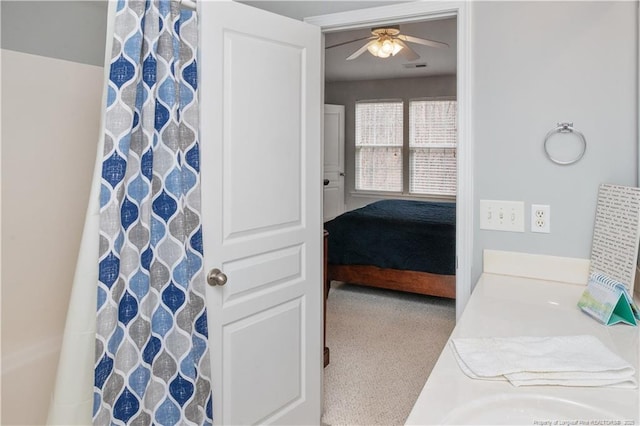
<point x="422" y="41"/>
<point x="361" y="50"/>
<point x="406" y="51"/>
<point x="350" y="41"/>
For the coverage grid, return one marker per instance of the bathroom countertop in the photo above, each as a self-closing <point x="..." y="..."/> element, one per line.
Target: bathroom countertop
<point x="507" y="306"/>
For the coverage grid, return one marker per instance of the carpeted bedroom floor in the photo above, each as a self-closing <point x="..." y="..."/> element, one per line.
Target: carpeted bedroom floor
<point x="383" y="345"/>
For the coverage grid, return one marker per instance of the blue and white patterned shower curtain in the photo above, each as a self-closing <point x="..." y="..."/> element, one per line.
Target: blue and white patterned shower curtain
<point x="152" y="357"/>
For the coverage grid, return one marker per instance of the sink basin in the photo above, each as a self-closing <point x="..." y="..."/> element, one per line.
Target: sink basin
<point x="504" y="409"/>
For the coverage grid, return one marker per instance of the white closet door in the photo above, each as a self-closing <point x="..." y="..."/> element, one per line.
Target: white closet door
<point x="333" y="204"/>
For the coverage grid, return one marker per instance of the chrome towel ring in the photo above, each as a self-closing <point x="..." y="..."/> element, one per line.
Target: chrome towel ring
<point x="565" y="128"/>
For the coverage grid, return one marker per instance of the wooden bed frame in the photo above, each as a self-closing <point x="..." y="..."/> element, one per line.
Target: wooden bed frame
<point x="394" y="279"/>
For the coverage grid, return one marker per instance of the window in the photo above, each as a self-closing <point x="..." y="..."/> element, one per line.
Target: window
<point x="428" y="150"/>
<point x="379" y="146"/>
<point x="432" y="147"/>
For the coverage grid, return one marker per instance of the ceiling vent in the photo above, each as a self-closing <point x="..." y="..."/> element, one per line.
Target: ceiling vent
<point x="415" y="65"/>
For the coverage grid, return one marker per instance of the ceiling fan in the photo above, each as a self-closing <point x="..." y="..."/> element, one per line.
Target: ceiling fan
<point x="387" y="41"/>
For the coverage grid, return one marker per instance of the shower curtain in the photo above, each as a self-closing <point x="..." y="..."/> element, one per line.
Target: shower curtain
<point x="151" y="360"/>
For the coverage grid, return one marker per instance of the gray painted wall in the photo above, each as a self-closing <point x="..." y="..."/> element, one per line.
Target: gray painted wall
<point x="69" y="30"/>
<point x="348" y="92"/>
<point x="535" y="64"/>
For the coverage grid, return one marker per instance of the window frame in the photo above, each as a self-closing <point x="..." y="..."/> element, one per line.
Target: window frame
<point x="408" y="145"/>
<point x="404" y="194"/>
<point x="402" y="102"/>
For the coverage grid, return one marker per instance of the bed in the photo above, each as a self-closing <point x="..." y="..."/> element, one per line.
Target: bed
<point x="402" y="245"/>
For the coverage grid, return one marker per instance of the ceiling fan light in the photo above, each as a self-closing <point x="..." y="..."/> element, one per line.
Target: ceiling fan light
<point x="384" y="47"/>
<point x="374" y="48"/>
<point x="396" y="48"/>
<point x="387" y="47"/>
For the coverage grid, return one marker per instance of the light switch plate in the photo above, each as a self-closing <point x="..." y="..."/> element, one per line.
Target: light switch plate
<point x="499" y="215"/>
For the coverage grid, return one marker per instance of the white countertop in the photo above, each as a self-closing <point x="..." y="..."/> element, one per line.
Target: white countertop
<point x="507" y="306"/>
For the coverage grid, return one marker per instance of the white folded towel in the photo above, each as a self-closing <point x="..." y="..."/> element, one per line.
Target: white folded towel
<point x="560" y="360"/>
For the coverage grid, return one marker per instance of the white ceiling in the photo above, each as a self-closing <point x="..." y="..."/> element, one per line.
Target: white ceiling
<point x="300" y="9"/>
<point x="439" y="61"/>
<point x="366" y="66"/>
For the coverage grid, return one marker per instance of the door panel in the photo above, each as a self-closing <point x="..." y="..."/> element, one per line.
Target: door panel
<point x="262" y="133"/>
<point x="334" y="129"/>
<point x="262" y="213"/>
<point x="257" y="273"/>
<point x="278" y="328"/>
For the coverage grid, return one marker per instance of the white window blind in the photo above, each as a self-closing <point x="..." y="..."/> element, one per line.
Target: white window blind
<point x="379" y="146"/>
<point x="432" y="147"/>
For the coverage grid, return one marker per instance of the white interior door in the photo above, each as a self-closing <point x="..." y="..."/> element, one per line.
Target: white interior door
<point x="262" y="217"/>
<point x="333" y="202"/>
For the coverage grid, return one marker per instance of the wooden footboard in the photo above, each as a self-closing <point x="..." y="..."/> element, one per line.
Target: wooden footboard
<point x="395" y="279"/>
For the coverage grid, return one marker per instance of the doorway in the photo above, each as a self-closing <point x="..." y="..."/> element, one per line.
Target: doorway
<point x="412" y="12"/>
<point x="431" y="77"/>
<point x="420" y="11"/>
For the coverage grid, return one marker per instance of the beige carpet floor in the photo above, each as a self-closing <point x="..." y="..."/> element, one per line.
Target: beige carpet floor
<point x="383" y="345"/>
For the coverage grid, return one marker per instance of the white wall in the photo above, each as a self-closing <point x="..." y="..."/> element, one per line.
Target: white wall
<point x="535" y="64"/>
<point x="50" y="127"/>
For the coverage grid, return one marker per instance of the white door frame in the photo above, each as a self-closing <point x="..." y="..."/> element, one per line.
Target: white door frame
<point x="421" y="11"/>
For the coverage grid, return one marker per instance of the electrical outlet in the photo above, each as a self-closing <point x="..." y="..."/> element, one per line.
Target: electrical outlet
<point x="500" y="215"/>
<point x="540" y="218"/>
